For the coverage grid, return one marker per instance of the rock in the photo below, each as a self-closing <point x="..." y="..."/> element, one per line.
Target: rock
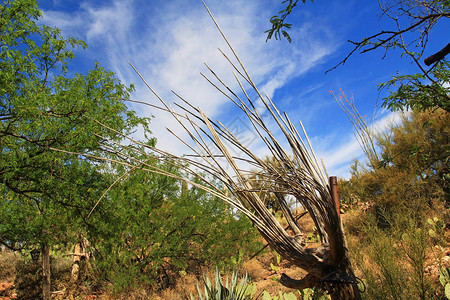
<point x="6" y="288"/>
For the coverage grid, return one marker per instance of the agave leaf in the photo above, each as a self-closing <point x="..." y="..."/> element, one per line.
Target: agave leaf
<point x="200" y="292"/>
<point x="290" y="296"/>
<point x="431" y="233"/>
<point x="266" y="296"/>
<point x="444" y="276"/>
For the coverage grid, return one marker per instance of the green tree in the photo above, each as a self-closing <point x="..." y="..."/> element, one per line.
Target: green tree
<point x="413" y="22"/>
<point x="46" y="195"/>
<point x="412" y="172"/>
<point x="407" y="165"/>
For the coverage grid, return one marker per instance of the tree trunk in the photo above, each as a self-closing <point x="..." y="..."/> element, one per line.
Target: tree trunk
<point x="76" y="262"/>
<point x="46" y="282"/>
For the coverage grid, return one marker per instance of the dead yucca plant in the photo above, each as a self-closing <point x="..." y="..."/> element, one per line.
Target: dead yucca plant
<point x="295" y="172"/>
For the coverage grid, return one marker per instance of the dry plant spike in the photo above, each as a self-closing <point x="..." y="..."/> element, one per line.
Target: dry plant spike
<point x="297" y="174"/>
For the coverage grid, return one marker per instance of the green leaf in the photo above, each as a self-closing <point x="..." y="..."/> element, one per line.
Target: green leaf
<point x="432" y="233"/>
<point x="290" y="296"/>
<point x="444" y="276"/>
<point x="266" y="296"/>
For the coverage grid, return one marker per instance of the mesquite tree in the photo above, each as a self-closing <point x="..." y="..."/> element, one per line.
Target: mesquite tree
<point x="294" y="172"/>
<point x="47" y="195"/>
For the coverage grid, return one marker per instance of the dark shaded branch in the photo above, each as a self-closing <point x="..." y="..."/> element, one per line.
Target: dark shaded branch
<point x="437" y="56"/>
<point x="308" y="281"/>
<point x="391" y="35"/>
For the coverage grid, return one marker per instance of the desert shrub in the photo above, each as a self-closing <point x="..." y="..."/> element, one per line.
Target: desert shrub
<point x="159" y="229"/>
<point x="392" y="260"/>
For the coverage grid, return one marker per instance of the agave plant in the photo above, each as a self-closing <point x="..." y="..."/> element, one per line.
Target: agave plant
<point x="233" y="290"/>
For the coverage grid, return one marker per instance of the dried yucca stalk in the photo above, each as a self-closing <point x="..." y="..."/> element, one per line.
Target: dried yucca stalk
<point x="294" y="171"/>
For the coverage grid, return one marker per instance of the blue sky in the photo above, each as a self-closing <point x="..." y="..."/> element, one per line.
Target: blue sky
<point x="168" y="41"/>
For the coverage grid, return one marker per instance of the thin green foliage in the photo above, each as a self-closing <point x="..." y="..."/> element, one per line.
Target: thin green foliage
<point x="393" y="260"/>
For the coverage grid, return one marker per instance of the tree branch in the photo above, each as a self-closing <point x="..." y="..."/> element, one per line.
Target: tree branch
<point x="437" y="56"/>
<point x="308" y="281"/>
<point x="391" y="35"/>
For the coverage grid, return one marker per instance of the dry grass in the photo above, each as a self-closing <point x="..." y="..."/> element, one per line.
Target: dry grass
<point x="8" y="261"/>
<point x="255" y="269"/>
<point x="182" y="290"/>
<point x="258" y="269"/>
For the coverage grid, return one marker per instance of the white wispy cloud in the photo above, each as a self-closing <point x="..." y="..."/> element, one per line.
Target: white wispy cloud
<point x="340" y="149"/>
<point x="170" y="45"/>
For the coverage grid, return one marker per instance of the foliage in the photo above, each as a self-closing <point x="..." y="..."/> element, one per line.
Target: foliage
<point x="46" y="195"/>
<point x="347" y="197"/>
<point x="414" y="91"/>
<point x="276" y="267"/>
<point x="307" y="294"/>
<point x="28" y="280"/>
<point x="393" y="260"/>
<point x="281" y="296"/>
<point x="233" y="290"/>
<point x="8" y="261"/>
<point x="313" y="294"/>
<point x="404" y="182"/>
<point x="145" y="227"/>
<point x="45" y="192"/>
<point x="413" y="22"/>
<point x="411" y="170"/>
<point x="437" y="227"/>
<point x="278" y="21"/>
<point x="158" y="228"/>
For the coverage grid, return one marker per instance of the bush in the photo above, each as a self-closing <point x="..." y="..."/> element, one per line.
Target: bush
<point x="392" y="261"/>
<point x="159" y="228"/>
